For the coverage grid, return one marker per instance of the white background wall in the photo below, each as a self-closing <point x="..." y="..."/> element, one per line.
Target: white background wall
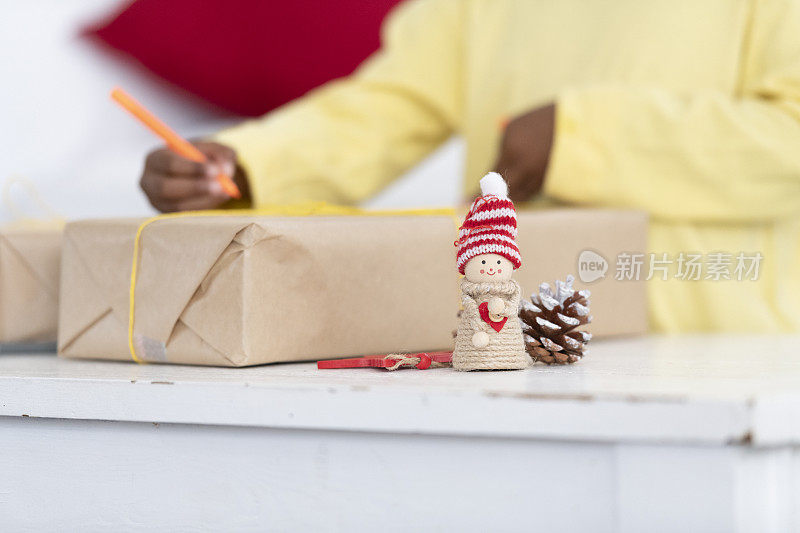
<point x="59" y="129"/>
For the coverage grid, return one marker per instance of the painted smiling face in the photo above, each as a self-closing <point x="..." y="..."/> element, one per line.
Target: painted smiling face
<point x="489" y="268"/>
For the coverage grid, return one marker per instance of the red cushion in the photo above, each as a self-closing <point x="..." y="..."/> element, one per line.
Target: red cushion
<point x="247" y="56"/>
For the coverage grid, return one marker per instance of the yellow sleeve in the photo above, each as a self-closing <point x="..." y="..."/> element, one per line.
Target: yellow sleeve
<point x="343" y="142"/>
<point x="699" y="156"/>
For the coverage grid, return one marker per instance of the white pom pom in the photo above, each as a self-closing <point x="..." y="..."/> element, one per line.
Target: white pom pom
<point x="493" y="183"/>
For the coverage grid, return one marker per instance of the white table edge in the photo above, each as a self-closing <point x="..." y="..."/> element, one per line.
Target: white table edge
<point x="345" y="408"/>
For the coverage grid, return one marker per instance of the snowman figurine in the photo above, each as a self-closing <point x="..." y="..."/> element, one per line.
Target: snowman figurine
<point x="489" y="336"/>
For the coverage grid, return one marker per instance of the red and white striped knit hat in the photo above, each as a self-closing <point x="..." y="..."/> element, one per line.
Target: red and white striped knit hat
<point x="490" y="226"/>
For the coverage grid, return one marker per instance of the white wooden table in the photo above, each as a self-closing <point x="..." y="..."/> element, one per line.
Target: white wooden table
<point x="652" y="434"/>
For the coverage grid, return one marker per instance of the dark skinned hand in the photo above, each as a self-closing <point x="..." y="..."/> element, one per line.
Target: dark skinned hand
<point x="174" y="183"/>
<point x="525" y="152"/>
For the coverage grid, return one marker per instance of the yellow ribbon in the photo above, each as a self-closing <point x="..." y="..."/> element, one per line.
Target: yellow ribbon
<point x="297" y="210"/>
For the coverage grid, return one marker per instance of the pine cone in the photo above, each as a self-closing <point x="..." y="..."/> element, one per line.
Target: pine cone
<point x="550" y="321"/>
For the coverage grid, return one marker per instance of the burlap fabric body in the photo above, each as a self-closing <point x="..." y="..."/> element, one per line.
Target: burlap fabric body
<point x="506" y="349"/>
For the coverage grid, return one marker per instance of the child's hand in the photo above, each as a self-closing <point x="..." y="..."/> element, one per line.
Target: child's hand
<point x="174" y="183"/>
<point x="525" y="151"/>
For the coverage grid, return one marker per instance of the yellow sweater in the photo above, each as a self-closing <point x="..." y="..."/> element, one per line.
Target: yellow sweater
<point x="689" y="110"/>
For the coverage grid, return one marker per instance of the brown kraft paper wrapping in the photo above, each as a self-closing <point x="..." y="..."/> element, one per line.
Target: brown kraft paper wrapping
<point x="551" y="242"/>
<point x="237" y="291"/>
<point x="29" y="271"/>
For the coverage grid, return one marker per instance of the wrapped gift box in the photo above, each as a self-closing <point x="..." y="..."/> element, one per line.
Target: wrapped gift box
<point x="236" y="291"/>
<point x="246" y="290"/>
<point x="554" y="242"/>
<point x="29" y="273"/>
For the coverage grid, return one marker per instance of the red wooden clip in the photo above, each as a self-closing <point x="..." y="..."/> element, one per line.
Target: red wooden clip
<point x="420" y="361"/>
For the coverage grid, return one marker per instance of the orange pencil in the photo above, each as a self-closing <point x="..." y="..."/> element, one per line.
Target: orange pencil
<point x="175" y="142"/>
